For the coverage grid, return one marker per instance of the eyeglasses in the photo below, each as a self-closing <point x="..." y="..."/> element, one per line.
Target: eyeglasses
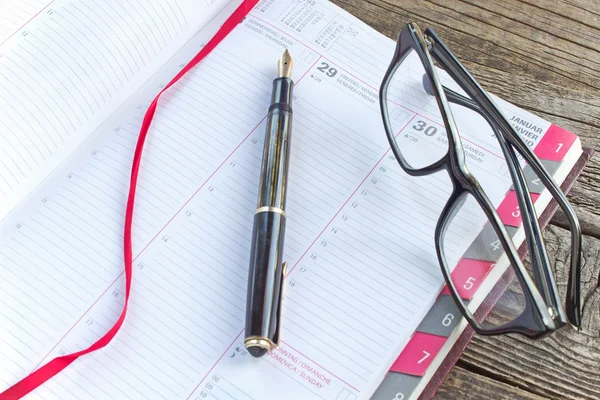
<point x="531" y="307"/>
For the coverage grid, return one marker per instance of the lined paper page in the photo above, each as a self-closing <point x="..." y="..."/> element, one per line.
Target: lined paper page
<point x="16" y="13"/>
<point x="362" y="270"/>
<point x="71" y="67"/>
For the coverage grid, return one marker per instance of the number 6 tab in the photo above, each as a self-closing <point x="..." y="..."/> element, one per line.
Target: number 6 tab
<point x="442" y="318"/>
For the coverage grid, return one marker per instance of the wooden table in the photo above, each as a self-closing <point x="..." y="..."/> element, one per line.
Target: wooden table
<point x="544" y="56"/>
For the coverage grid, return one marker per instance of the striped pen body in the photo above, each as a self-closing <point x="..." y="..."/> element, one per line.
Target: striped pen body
<point x="267" y="268"/>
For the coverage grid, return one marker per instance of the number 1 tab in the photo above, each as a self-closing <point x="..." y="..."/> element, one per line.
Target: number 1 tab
<point x="555" y="144"/>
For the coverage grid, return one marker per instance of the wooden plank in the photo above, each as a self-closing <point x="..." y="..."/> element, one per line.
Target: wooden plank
<point x="520" y="27"/>
<point x="565" y="365"/>
<point x="499" y="68"/>
<point x="487" y="31"/>
<point x="464" y="384"/>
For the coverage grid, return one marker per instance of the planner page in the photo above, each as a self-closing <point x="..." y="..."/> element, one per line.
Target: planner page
<point x="359" y="242"/>
<point x="72" y="66"/>
<point x="16" y="13"/>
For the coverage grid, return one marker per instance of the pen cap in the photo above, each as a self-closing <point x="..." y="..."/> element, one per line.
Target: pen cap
<point x="276" y="152"/>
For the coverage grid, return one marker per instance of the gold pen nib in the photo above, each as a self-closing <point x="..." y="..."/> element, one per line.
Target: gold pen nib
<point x="284" y="65"/>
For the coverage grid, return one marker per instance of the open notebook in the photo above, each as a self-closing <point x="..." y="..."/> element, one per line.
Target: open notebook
<point x="364" y="282"/>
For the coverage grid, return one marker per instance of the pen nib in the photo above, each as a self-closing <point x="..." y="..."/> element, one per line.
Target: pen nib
<point x="284" y="65"/>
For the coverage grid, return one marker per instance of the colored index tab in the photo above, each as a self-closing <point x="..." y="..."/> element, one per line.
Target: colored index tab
<point x="509" y="209"/>
<point x="442" y="318"/>
<point x="468" y="276"/>
<point x="396" y="386"/>
<point x="486" y="245"/>
<point x="555" y="144"/>
<point x="418" y="354"/>
<point x="534" y="183"/>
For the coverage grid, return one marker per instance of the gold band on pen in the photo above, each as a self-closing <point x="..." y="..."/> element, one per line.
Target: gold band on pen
<point x="270" y="209"/>
<point x="259" y="341"/>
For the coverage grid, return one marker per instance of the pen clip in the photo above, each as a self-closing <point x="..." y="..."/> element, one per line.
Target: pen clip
<point x="283" y="273"/>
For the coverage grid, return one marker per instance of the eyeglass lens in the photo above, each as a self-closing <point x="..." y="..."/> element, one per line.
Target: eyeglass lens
<point x="483" y="262"/>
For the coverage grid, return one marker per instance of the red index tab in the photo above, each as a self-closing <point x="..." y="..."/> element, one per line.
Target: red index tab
<point x="509" y="209"/>
<point x="418" y="354"/>
<point x="468" y="276"/>
<point x="555" y="144"/>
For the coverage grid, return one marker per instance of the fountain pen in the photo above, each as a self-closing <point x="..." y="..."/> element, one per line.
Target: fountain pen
<point x="267" y="269"/>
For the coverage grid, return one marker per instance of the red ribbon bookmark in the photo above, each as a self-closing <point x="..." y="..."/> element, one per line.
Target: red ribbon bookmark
<point x="48" y="370"/>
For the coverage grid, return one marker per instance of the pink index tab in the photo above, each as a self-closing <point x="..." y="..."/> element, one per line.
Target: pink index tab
<point x="418" y="354"/>
<point x="555" y="144"/>
<point x="509" y="209"/>
<point x="468" y="276"/>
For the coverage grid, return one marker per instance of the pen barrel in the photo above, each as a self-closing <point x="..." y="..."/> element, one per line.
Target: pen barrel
<point x="265" y="276"/>
<point x="266" y="256"/>
<point x="276" y="151"/>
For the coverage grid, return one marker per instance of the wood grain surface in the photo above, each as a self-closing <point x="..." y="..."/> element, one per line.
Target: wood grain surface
<point x="543" y="56"/>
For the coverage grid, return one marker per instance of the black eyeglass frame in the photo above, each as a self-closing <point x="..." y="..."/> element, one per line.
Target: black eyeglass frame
<point x="543" y="312"/>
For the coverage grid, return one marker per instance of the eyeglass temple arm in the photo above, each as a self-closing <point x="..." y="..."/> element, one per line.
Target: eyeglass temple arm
<point x="542" y="274"/>
<point x="451" y="65"/>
